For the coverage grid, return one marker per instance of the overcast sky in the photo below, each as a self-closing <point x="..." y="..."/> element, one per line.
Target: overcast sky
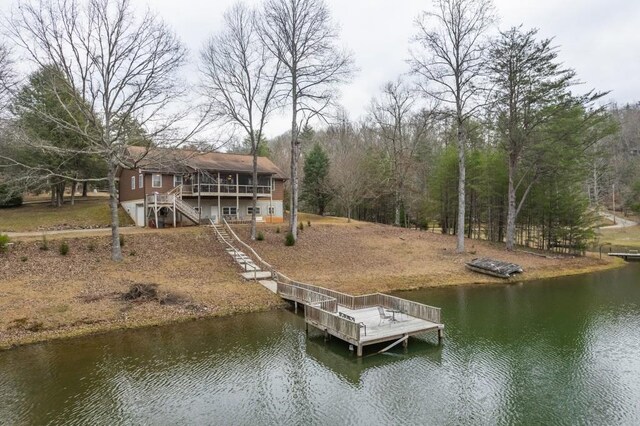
<point x="600" y="39"/>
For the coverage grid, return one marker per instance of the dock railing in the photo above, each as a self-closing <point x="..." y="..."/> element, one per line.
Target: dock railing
<point x="337" y="298"/>
<point x="411" y="308"/>
<point x="308" y="297"/>
<point x="343" y="328"/>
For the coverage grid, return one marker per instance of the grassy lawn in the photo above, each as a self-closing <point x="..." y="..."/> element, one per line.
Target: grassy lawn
<point x="626" y="237"/>
<point x="90" y="213"/>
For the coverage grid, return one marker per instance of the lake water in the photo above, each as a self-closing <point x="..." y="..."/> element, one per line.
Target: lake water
<point x="562" y="351"/>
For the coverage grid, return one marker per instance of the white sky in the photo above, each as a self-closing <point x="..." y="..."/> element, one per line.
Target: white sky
<point x="600" y="39"/>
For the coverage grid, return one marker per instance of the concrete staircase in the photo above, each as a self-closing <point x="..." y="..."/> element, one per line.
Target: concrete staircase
<point x="251" y="271"/>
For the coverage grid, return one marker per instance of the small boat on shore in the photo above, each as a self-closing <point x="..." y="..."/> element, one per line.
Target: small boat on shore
<point x="495" y="268"/>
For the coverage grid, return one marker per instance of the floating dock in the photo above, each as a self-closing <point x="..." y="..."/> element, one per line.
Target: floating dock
<point x="359" y="320"/>
<point x="630" y="256"/>
<point x="493" y="267"/>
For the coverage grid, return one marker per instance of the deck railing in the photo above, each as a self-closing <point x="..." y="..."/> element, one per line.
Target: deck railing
<point x="214" y="188"/>
<point x="345" y="329"/>
<point x="308" y="297"/>
<point x="411" y="308"/>
<point x="158" y="198"/>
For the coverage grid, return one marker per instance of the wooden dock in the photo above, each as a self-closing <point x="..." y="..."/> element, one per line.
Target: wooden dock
<point x="356" y="319"/>
<point x="630" y="256"/>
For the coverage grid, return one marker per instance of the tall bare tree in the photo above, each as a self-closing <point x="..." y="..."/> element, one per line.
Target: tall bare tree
<point x="122" y="67"/>
<point x="301" y="35"/>
<point x="393" y="117"/>
<point x="240" y="79"/>
<point x="450" y="60"/>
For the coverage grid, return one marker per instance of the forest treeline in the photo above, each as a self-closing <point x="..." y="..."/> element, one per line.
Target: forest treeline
<point x="357" y="179"/>
<point x="488" y="134"/>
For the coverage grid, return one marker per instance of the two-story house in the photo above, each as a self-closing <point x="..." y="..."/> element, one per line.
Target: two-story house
<point x="177" y="187"/>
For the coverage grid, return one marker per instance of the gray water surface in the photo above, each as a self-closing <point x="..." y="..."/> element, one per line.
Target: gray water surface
<point x="561" y="351"/>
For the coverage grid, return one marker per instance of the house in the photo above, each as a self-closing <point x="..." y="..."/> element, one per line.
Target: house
<point x="178" y="187"/>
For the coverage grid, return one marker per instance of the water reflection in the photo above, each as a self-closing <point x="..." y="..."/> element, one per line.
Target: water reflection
<point x="562" y="351"/>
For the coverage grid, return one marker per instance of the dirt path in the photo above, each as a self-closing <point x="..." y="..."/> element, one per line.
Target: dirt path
<point x="620" y="222"/>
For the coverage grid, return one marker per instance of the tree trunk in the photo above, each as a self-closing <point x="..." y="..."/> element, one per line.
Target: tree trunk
<point x="295" y="149"/>
<point x="254" y="197"/>
<point x="511" y="203"/>
<point x="116" y="250"/>
<point x="396" y="202"/>
<point x="54" y="196"/>
<point x="461" y="188"/>
<point x="74" y="184"/>
<point x="60" y="193"/>
<point x="84" y="189"/>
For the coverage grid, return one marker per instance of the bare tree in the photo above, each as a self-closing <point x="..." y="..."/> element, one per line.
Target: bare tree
<point x="451" y="62"/>
<point x="300" y="34"/>
<point x="121" y="68"/>
<point x="240" y="79"/>
<point x="393" y="117"/>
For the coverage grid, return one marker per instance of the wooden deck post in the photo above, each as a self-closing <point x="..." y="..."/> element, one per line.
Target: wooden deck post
<point x="359" y="353"/>
<point x="406" y="342"/>
<point x="295" y="307"/>
<point x="440" y="336"/>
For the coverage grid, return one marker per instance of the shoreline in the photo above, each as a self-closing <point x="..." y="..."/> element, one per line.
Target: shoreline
<point x="106" y="326"/>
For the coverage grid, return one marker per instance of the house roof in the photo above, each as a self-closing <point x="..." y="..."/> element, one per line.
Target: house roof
<point x="181" y="160"/>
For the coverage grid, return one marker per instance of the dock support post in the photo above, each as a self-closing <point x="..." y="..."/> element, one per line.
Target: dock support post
<point x="440" y="336"/>
<point x="359" y="352"/>
<point x="306" y="328"/>
<point x="406" y="342"/>
<point x="326" y="335"/>
<point x="295" y="307"/>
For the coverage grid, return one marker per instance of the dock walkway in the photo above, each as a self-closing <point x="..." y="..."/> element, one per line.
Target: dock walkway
<point x="354" y="319"/>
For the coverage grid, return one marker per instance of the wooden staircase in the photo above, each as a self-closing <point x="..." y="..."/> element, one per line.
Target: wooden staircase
<point x="183" y="207"/>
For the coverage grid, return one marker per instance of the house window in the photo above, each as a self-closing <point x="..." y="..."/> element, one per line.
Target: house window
<point x="140" y="180"/>
<point x="133" y="182"/>
<point x="156" y="180"/>
<point x="229" y="211"/>
<point x="177" y="180"/>
<point x="250" y="210"/>
<point x="272" y="210"/>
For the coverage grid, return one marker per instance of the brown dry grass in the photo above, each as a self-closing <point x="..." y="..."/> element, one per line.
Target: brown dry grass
<point x="86" y="213"/>
<point x="363" y="257"/>
<point x="44" y="295"/>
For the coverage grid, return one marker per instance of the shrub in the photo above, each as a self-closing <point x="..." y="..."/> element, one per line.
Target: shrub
<point x="260" y="236"/>
<point x="121" y="240"/>
<point x="301" y="226"/>
<point x="9" y="197"/>
<point x="289" y="240"/>
<point x="44" y="245"/>
<point x="278" y="230"/>
<point x="24" y="258"/>
<point x="309" y="223"/>
<point x="4" y="242"/>
<point x="91" y="247"/>
<point x="64" y="248"/>
<point x="132" y="253"/>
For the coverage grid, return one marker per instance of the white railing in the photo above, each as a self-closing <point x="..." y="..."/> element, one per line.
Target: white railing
<point x="214" y="188"/>
<point x="187" y="210"/>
